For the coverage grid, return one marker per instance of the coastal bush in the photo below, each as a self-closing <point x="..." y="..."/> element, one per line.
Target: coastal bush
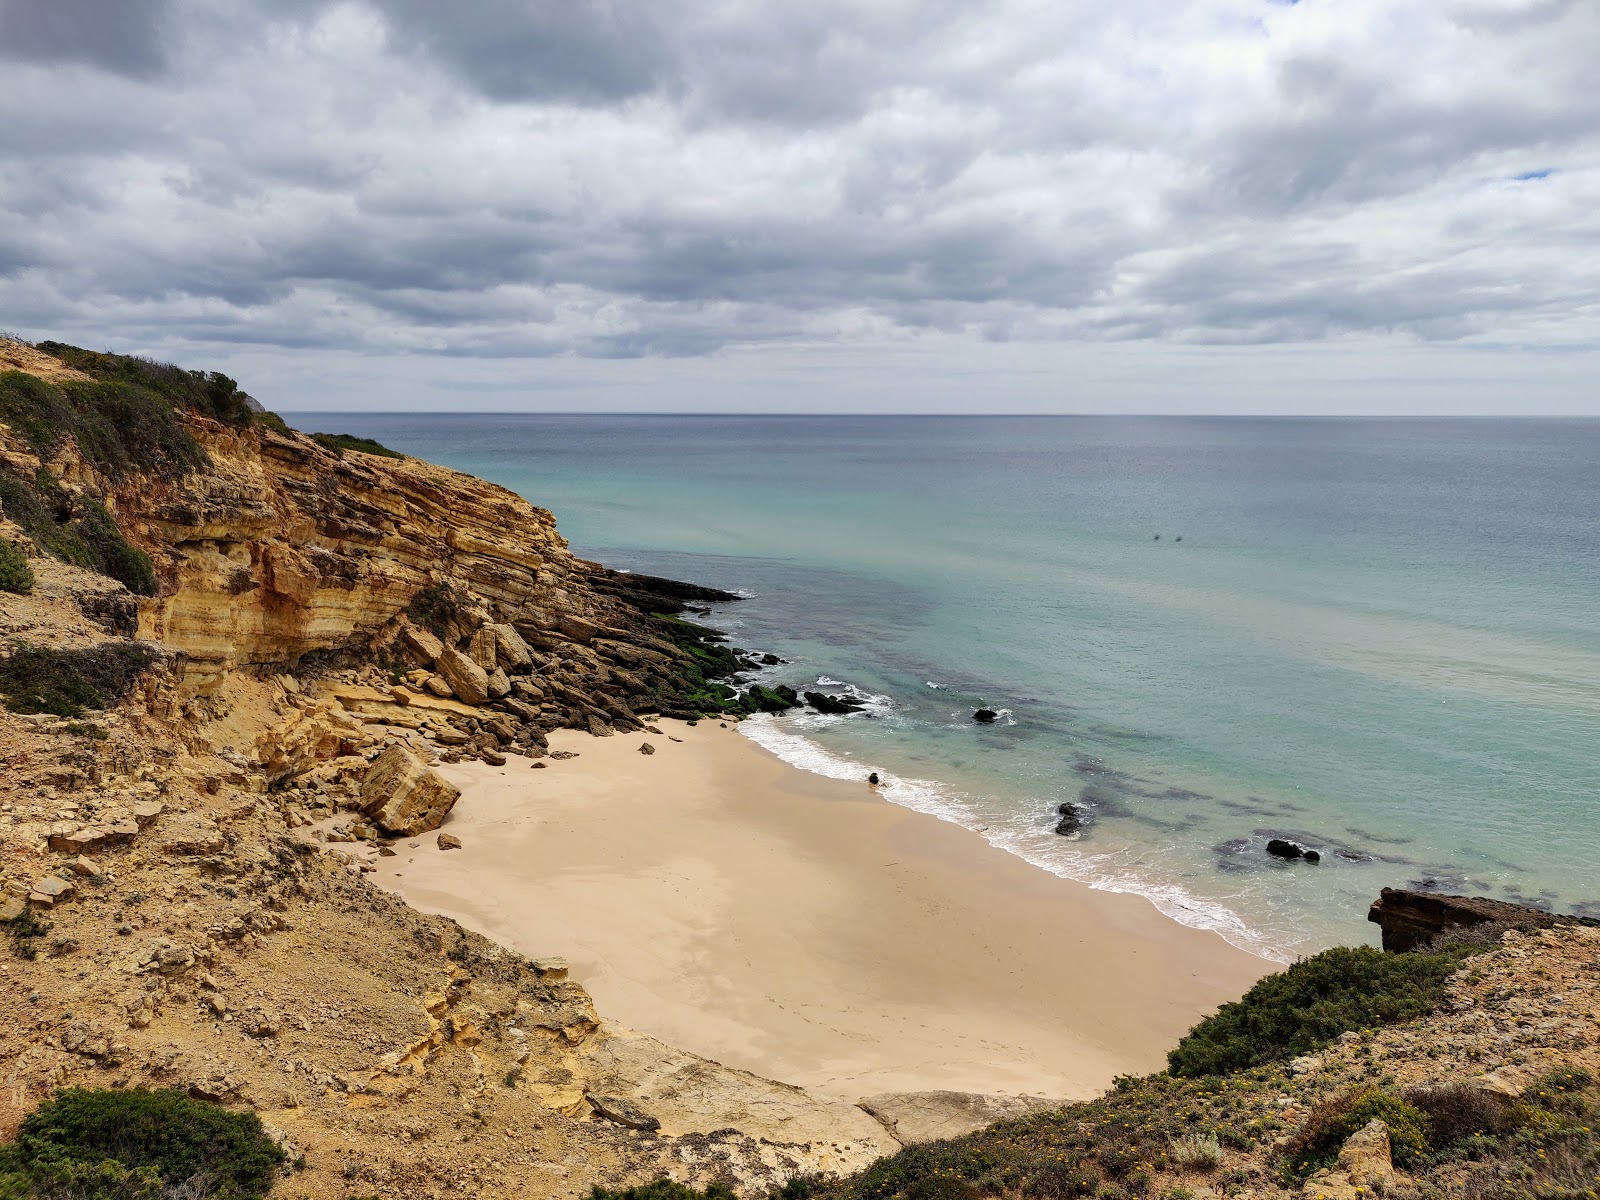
<point x="209" y="393"/>
<point x="15" y="573"/>
<point x="137" y="1145"/>
<point x="75" y="529"/>
<point x="1331" y="1123"/>
<point x="664" y="1189"/>
<point x="119" y="427"/>
<point x="433" y="608"/>
<point x="1196" y="1152"/>
<point x="340" y="442"/>
<point x="35" y="679"/>
<point x="1458" y="1113"/>
<point x="1309" y="1005"/>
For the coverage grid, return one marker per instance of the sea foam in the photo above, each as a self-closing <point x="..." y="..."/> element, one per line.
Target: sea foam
<point x="1102" y="872"/>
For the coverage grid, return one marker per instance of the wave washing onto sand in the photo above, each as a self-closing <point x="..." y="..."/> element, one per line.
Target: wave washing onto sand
<point x="1100" y="872"/>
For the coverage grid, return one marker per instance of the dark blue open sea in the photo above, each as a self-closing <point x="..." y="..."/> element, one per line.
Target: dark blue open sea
<point x="1378" y="637"/>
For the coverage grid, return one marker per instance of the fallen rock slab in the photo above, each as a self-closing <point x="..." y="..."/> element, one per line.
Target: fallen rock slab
<point x="403" y="796"/>
<point x="915" y="1117"/>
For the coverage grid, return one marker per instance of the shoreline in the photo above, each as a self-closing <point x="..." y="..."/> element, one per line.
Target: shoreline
<point x="808" y="930"/>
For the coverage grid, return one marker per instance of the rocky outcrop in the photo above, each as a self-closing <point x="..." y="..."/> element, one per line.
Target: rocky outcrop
<point x="405" y="797"/>
<point x="1411" y="919"/>
<point x="915" y="1117"/>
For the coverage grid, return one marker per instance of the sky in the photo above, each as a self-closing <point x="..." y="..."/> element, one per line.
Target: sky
<point x="1322" y="206"/>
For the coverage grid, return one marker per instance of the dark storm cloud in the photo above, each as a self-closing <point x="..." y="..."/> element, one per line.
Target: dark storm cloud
<point x="125" y="36"/>
<point x="505" y="178"/>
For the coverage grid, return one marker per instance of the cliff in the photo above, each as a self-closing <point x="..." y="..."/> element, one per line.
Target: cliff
<point x="238" y="646"/>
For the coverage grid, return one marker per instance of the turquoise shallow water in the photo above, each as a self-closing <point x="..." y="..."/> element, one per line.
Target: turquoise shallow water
<point x="1381" y="638"/>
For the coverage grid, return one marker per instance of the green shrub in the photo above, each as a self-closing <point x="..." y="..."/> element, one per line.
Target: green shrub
<point x="34" y="679"/>
<point x="433" y="608"/>
<point x="129" y="1145"/>
<point x="119" y="427"/>
<point x="1317" y="1143"/>
<point x="75" y="529"/>
<point x="1460" y="1112"/>
<point x="15" y="573"/>
<point x="340" y="442"/>
<point x="664" y="1189"/>
<point x="1313" y="1002"/>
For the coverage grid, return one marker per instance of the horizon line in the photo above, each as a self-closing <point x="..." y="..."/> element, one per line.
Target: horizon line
<point x="552" y="412"/>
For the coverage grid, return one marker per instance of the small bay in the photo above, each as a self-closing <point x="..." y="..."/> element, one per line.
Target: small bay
<point x="1380" y="638"/>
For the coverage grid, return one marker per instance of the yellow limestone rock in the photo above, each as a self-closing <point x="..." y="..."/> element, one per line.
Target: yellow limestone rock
<point x="403" y="796"/>
<point x="467" y="679"/>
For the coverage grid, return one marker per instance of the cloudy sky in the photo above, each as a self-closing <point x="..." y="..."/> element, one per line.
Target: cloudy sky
<point x="935" y="205"/>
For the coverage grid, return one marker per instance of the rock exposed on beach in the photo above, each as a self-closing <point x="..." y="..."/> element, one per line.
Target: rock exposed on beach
<point x="448" y="841"/>
<point x="468" y="681"/>
<point x="646" y="748"/>
<point x="403" y="796"/>
<point x="1071" y="818"/>
<point x="986" y="716"/>
<point x="834" y="705"/>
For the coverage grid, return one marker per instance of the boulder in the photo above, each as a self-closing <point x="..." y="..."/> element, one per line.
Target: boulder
<point x="481" y="649"/>
<point x="1364" y="1169"/>
<point x="837" y="705"/>
<point x="499" y="684"/>
<point x="1411" y="919"/>
<point x="438" y="685"/>
<point x="985" y="716"/>
<point x="468" y="681"/>
<point x="600" y="728"/>
<point x="646" y="748"/>
<point x="405" y="797"/>
<point x="511" y="652"/>
<point x="448" y="841"/>
<point x="1069" y="819"/>
<point x="1282" y="848"/>
<point x="422" y="646"/>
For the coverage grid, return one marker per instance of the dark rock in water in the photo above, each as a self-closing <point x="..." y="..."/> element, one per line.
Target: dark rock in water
<point x="770" y="700"/>
<point x="771" y="660"/>
<point x="836" y="705"/>
<point x="1279" y="848"/>
<point x="873" y="779"/>
<point x="1072" y="819"/>
<point x="986" y="716"/>
<point x="1412" y="919"/>
<point x="1311" y="856"/>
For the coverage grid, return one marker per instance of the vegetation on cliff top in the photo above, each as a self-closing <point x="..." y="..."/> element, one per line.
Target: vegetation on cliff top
<point x="137" y="1145"/>
<point x="125" y="420"/>
<point x="1305" y="1007"/>
<point x="340" y="442"/>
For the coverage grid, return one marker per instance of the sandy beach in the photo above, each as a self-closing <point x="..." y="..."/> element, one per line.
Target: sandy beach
<point x="806" y="929"/>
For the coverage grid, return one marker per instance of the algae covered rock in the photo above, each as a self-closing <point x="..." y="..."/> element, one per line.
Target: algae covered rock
<point x="405" y="797"/>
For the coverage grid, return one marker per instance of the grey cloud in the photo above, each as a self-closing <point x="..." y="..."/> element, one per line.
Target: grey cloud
<point x="125" y="36"/>
<point x="499" y="180"/>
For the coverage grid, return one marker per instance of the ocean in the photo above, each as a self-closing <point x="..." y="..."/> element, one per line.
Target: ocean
<point x="1377" y="638"/>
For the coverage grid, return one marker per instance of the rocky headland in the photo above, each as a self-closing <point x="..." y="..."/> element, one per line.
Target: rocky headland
<point x="232" y="652"/>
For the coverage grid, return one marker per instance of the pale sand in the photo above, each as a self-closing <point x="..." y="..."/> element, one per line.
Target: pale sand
<point x="805" y="929"/>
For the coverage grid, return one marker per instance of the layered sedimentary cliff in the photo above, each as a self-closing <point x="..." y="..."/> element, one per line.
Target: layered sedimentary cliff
<point x="315" y="627"/>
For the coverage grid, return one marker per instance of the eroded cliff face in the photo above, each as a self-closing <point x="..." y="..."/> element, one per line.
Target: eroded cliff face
<point x="282" y="548"/>
<point x="175" y="882"/>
